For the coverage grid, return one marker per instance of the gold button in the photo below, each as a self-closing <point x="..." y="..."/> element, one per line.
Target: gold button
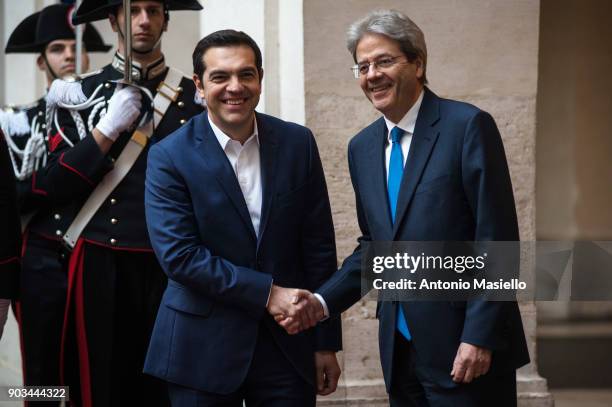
<point x="113" y="241"/>
<point x="57" y="216"/>
<point x="58" y="232"/>
<point x="44" y="126"/>
<point x="107" y="85"/>
<point x="181" y="104"/>
<point x="40" y="113"/>
<point x="179" y="89"/>
<point x="113" y="201"/>
<point x="182" y="121"/>
<point x="114" y="221"/>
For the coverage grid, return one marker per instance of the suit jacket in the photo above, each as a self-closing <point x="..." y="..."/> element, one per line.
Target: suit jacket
<point x="456" y="187"/>
<point x="220" y="272"/>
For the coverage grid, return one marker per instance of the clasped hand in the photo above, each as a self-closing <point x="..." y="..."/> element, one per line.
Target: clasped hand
<point x="294" y="309"/>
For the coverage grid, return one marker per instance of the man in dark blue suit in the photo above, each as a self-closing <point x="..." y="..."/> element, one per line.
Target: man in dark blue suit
<point x="431" y="169"/>
<point x="237" y="208"/>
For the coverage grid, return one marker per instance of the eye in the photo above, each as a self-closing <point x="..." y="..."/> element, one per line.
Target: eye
<point x="247" y="75"/>
<point x="363" y="68"/>
<point x="384" y="62"/>
<point x="217" y="78"/>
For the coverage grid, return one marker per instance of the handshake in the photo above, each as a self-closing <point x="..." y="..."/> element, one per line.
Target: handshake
<point x="294" y="309"/>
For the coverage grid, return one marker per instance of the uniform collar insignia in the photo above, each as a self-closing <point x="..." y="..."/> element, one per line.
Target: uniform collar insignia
<point x="140" y="73"/>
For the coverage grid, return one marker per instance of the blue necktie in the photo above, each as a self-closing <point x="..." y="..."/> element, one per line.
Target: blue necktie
<point x="396" y="169"/>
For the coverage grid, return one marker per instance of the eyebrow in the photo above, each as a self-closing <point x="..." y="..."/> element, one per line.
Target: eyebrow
<point x="384" y="55"/>
<point x="226" y="72"/>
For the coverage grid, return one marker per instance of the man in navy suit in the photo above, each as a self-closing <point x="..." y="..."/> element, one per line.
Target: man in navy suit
<point x="430" y="169"/>
<point x="237" y="208"/>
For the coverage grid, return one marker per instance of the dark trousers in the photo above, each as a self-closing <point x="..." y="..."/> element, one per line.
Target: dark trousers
<point x="412" y="388"/>
<point x="114" y="300"/>
<point x="271" y="382"/>
<point x="42" y="299"/>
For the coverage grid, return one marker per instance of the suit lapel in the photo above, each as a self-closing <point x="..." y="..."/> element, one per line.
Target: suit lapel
<point x="423" y="140"/>
<point x="268" y="148"/>
<point x="219" y="165"/>
<point x="375" y="179"/>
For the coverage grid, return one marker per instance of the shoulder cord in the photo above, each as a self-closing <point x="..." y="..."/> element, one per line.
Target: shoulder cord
<point x="74" y="109"/>
<point x="34" y="154"/>
<point x="97" y="103"/>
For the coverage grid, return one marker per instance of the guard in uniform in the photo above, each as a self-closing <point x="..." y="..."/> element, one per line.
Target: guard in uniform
<point x="9" y="238"/>
<point x="42" y="296"/>
<point x="98" y="164"/>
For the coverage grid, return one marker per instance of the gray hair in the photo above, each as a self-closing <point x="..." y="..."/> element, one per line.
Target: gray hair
<point x="395" y="25"/>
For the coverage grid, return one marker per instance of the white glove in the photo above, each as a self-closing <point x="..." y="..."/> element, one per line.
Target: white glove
<point x="67" y="92"/>
<point x="123" y="109"/>
<point x="4" y="307"/>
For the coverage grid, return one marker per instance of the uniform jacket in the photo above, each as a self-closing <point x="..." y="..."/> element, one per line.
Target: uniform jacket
<point x="73" y="172"/>
<point x="9" y="219"/>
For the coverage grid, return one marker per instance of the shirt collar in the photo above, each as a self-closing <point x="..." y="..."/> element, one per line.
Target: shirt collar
<point x="224" y="139"/>
<point x="407" y="122"/>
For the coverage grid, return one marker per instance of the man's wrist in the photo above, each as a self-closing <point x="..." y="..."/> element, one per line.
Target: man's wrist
<point x="324" y="305"/>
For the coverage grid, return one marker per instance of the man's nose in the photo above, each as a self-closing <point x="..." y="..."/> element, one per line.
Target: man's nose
<point x="235" y="85"/>
<point x="69" y="53"/>
<point x="142" y="18"/>
<point x="373" y="72"/>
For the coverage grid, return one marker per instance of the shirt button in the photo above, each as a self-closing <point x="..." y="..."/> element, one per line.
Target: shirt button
<point x="113" y="201"/>
<point x="57" y="216"/>
<point x="113" y="241"/>
<point x="114" y="221"/>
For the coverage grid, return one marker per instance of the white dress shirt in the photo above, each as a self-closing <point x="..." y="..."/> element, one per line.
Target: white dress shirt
<point x="245" y="162"/>
<point x="407" y="124"/>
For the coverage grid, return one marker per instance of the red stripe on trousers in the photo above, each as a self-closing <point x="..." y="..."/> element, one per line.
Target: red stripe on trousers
<point x="75" y="283"/>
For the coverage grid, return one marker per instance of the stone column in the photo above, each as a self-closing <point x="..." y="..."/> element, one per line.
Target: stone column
<point x="482" y="52"/>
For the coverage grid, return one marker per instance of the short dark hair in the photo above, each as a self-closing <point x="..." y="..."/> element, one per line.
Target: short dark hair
<point x="223" y="38"/>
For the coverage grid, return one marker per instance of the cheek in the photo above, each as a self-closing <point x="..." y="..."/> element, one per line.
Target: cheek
<point x="363" y="84"/>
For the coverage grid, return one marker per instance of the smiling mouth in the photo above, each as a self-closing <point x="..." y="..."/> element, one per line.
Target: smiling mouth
<point x="380" y="88"/>
<point x="235" y="102"/>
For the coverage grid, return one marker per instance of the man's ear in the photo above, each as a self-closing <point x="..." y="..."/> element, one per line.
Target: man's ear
<point x="199" y="85"/>
<point x="261" y="72"/>
<point x="112" y="19"/>
<point x="40" y="62"/>
<point x="419" y="67"/>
